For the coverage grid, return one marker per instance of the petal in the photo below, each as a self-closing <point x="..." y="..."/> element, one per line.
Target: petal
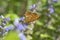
<point x="22" y="18"/>
<point x="20" y="27"/>
<point x="22" y="36"/>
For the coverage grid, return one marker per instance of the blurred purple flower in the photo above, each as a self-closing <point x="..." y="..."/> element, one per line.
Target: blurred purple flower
<point x="7" y="19"/>
<point x="16" y="21"/>
<point x="32" y="7"/>
<point x="22" y="19"/>
<point x="3" y="24"/>
<point x="25" y="25"/>
<point x="21" y="26"/>
<point x="55" y="1"/>
<point x="1" y="27"/>
<point x="2" y="16"/>
<point x="22" y="36"/>
<point x="51" y="9"/>
<point x="11" y="27"/>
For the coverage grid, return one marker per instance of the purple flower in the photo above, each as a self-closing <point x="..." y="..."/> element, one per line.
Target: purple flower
<point x="22" y="19"/>
<point x="3" y="24"/>
<point x="21" y="26"/>
<point x="33" y="7"/>
<point x="51" y="9"/>
<point x="2" y="16"/>
<point x="18" y="19"/>
<point x="7" y="19"/>
<point x="7" y="29"/>
<point x="25" y="25"/>
<point x="1" y="27"/>
<point x="11" y="27"/>
<point x="22" y="36"/>
<point x="16" y="22"/>
<point x="55" y="1"/>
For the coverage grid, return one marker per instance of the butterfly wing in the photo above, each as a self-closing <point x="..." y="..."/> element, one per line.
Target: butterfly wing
<point x="30" y="17"/>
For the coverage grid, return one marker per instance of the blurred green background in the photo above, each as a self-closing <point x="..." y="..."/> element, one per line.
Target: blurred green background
<point x="46" y="28"/>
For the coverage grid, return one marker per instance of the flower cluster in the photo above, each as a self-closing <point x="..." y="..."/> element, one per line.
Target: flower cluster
<point x="3" y="22"/>
<point x="17" y="25"/>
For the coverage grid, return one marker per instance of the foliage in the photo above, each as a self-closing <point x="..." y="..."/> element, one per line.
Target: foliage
<point x="46" y="28"/>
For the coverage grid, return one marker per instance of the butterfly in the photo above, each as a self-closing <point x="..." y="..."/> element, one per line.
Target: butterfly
<point x="30" y="16"/>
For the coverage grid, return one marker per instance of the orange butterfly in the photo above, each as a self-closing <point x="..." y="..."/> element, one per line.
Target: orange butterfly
<point x="30" y="17"/>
